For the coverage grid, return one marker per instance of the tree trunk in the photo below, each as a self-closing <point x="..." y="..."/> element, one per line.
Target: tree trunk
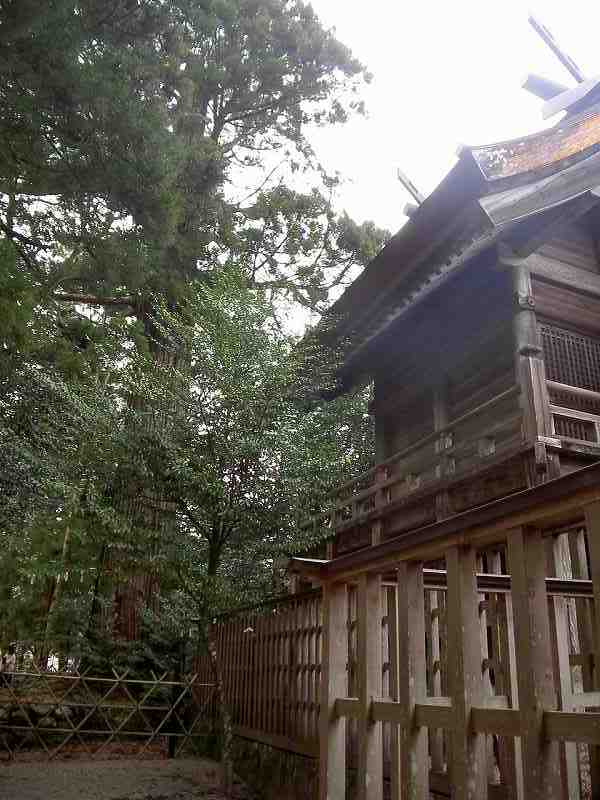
<point x="54" y="598"/>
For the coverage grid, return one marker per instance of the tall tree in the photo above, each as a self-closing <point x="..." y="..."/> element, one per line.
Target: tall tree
<point x="124" y="130"/>
<point x="123" y="126"/>
<point x="253" y="448"/>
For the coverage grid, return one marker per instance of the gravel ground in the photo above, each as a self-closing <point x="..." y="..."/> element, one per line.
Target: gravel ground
<point x="131" y="779"/>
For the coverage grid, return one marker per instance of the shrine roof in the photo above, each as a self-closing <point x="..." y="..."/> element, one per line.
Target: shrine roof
<point x="485" y="199"/>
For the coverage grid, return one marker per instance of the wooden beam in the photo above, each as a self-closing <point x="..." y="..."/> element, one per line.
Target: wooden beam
<point x="560" y="274"/>
<point x="569" y="97"/>
<point x="332" y="727"/>
<point x="585" y="699"/>
<point x="467" y="767"/>
<point x="431" y="712"/>
<point x="572" y="727"/>
<point x="412" y="682"/>
<point x="501" y="721"/>
<point x="435" y="715"/>
<point x="542" y="87"/>
<point x="541" y="761"/>
<point x="388" y="711"/>
<point x="348" y="707"/>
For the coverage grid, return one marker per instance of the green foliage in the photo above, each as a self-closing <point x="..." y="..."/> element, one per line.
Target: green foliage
<point x="230" y="442"/>
<point x="154" y="419"/>
<point x="126" y="123"/>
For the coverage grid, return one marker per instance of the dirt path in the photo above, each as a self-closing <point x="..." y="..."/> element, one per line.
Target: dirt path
<point x="130" y="779"/>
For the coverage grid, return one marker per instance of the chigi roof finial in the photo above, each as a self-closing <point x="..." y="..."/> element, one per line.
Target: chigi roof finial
<point x="558" y="97"/>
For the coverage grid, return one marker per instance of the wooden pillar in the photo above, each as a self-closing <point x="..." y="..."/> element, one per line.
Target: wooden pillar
<point x="511" y="762"/>
<point x="394" y="690"/>
<point x="412" y="685"/>
<point x="592" y="524"/>
<point x="334" y="684"/>
<point x="380" y="500"/>
<point x="369" y="669"/>
<point x="436" y="737"/>
<point x="535" y="679"/>
<point x="584" y="617"/>
<point x="559" y="632"/>
<point x="440" y="423"/>
<point x="530" y="373"/>
<point x="486" y="616"/>
<point x="468" y="774"/>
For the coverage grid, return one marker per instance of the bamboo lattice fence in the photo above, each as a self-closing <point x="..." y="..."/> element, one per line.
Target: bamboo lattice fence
<point x="47" y="714"/>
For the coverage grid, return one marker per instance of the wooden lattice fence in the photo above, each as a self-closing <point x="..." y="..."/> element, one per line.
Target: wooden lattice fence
<point x="272" y="661"/>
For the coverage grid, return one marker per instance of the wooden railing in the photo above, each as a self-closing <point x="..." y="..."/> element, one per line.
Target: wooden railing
<point x="454" y="452"/>
<point x="571" y="421"/>
<point x="487" y="678"/>
<point x="272" y="661"/>
<point x="443" y="455"/>
<point x="474" y="678"/>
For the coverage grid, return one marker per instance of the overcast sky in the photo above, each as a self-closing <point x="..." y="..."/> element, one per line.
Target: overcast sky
<point x="445" y="73"/>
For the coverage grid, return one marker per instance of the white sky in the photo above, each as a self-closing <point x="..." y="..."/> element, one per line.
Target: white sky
<point x="445" y="73"/>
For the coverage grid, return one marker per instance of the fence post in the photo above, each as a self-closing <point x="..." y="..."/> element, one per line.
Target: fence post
<point x="334" y="684"/>
<point x="468" y="772"/>
<point x="535" y="679"/>
<point x="592" y="524"/>
<point x="414" y="758"/>
<point x="369" y="668"/>
<point x="559" y="630"/>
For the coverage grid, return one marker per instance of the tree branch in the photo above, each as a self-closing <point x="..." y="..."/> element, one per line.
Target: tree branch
<point x="94" y="300"/>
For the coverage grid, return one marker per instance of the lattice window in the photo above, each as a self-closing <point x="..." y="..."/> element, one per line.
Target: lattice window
<point x="571" y="358"/>
<point x="575" y="428"/>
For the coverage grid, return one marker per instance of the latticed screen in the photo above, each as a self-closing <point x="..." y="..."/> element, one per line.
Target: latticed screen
<point x="571" y="358"/>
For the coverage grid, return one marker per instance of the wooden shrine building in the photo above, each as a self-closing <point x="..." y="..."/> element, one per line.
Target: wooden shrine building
<point x="449" y="645"/>
<point x="458" y="657"/>
<point x="479" y="324"/>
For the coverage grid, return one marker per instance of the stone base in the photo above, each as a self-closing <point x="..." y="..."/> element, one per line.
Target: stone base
<point x="274" y="774"/>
